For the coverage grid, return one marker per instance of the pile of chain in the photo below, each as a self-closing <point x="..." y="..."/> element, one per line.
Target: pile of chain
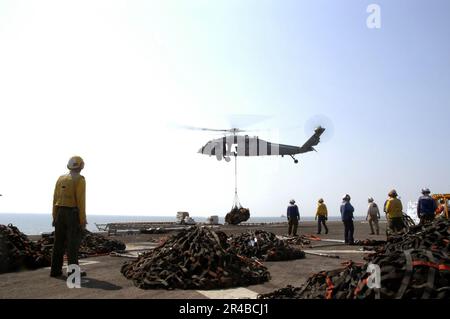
<point x="263" y="245"/>
<point x="335" y="284"/>
<point x="91" y="244"/>
<point x="408" y="221"/>
<point x="237" y="215"/>
<point x="95" y="244"/>
<point x="301" y="240"/>
<point x="434" y="236"/>
<point x="417" y="264"/>
<point x="17" y="251"/>
<point x="413" y="266"/>
<point x="289" y="292"/>
<point x="195" y="258"/>
<point x="370" y="244"/>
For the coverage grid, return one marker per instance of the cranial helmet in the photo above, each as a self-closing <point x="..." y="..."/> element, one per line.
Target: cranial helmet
<point x="393" y="193"/>
<point x="75" y="162"/>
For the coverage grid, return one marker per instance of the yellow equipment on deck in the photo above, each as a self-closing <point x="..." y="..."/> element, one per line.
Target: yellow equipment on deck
<point x="446" y="198"/>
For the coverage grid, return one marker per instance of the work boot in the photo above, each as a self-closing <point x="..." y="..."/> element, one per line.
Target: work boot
<point x="372" y="233"/>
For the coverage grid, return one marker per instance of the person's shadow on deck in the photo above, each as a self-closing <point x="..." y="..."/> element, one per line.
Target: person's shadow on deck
<point x="98" y="284"/>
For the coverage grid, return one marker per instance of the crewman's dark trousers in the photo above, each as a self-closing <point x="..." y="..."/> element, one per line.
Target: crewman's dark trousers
<point x="426" y="219"/>
<point x="67" y="237"/>
<point x="293" y="224"/>
<point x="396" y="224"/>
<point x="348" y="231"/>
<point x="322" y="220"/>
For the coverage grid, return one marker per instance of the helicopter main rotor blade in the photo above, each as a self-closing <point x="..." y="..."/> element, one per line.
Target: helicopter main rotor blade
<point x="195" y="128"/>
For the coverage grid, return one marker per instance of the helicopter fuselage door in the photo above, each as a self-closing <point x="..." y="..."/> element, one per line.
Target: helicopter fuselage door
<point x="218" y="150"/>
<point x="228" y="147"/>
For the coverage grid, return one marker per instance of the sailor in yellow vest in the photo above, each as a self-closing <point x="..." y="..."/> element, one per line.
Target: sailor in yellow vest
<point x="394" y="212"/>
<point x="322" y="216"/>
<point x="69" y="215"/>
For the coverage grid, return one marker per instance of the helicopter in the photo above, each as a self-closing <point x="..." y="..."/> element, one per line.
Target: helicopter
<point x="244" y="145"/>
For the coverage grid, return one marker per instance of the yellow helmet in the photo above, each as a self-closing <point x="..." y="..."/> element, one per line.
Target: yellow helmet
<point x="393" y="193"/>
<point x="75" y="162"/>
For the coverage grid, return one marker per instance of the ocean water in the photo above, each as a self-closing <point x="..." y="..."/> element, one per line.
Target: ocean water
<point x="35" y="224"/>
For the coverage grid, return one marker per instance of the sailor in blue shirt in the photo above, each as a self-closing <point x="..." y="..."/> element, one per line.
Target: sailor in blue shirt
<point x="347" y="218"/>
<point x="426" y="207"/>
<point x="293" y="216"/>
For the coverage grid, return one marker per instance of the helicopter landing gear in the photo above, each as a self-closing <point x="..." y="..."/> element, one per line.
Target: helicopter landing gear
<point x="295" y="160"/>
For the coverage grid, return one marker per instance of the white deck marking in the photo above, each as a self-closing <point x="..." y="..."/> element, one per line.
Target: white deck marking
<point x="127" y="254"/>
<point x="332" y="240"/>
<point x="339" y="251"/>
<point x="141" y="246"/>
<point x="233" y="293"/>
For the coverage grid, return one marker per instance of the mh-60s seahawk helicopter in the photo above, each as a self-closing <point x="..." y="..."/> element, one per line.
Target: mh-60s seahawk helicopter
<point x="245" y="145"/>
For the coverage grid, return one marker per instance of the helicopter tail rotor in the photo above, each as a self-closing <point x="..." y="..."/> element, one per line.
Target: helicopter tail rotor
<point x="318" y="123"/>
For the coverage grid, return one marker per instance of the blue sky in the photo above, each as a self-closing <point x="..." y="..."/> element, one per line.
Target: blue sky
<point x="125" y="70"/>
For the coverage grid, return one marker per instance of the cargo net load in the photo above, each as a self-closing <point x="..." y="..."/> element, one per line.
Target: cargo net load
<point x="18" y="252"/>
<point x="413" y="266"/>
<point x="91" y="244"/>
<point x="238" y="214"/>
<point x="263" y="245"/>
<point x="195" y="258"/>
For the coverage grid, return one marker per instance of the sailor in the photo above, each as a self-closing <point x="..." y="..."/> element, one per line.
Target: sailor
<point x="394" y="212"/>
<point x="69" y="215"/>
<point x="426" y="207"/>
<point x="347" y="218"/>
<point x="321" y="216"/>
<point x="293" y="216"/>
<point x="373" y="215"/>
